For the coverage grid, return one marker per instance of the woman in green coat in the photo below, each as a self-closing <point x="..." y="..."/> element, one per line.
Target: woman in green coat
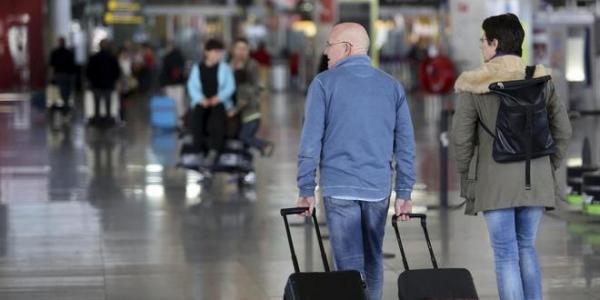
<point x="512" y="212"/>
<point x="248" y="97"/>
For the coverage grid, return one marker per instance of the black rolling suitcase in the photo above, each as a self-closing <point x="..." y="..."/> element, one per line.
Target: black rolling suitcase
<point x="328" y="285"/>
<point x="433" y="283"/>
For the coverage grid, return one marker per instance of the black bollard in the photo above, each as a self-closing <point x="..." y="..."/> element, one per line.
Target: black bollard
<point x="444" y="141"/>
<point x="586" y="153"/>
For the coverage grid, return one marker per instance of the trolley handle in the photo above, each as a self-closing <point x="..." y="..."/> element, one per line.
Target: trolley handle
<point x="423" y="218"/>
<point x="293" y="211"/>
<point x="298" y="210"/>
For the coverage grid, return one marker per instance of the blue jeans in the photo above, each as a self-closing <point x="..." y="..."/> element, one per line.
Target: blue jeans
<point x="512" y="234"/>
<point x="356" y="229"/>
<point x="248" y="135"/>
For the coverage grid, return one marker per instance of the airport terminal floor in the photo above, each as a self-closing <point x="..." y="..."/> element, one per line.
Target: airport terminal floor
<point x="88" y="214"/>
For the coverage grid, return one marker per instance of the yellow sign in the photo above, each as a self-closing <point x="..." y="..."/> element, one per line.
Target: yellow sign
<point x="111" y="18"/>
<point x="123" y="6"/>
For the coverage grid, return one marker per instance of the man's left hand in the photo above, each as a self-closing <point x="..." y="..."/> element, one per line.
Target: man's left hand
<point x="306" y="202"/>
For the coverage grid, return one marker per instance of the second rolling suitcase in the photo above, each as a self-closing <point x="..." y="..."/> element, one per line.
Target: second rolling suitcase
<point x="163" y="113"/>
<point x="436" y="283"/>
<point x="328" y="285"/>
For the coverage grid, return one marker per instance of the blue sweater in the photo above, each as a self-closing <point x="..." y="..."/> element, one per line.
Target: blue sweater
<point x="225" y="90"/>
<point x="356" y="122"/>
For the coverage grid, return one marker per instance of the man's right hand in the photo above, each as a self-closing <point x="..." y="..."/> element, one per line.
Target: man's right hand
<point x="403" y="207"/>
<point x="309" y="202"/>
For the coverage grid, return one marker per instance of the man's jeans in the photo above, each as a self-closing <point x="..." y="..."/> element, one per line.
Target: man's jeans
<point x="512" y="234"/>
<point x="356" y="230"/>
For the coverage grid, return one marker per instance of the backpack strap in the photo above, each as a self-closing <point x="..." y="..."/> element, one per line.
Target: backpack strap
<point x="486" y="128"/>
<point x="529" y="70"/>
<point x="528" y="137"/>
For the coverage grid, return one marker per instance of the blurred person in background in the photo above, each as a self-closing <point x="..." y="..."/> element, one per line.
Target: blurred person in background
<point x="148" y="69"/>
<point x="262" y="56"/>
<point x="172" y="78"/>
<point x="103" y="73"/>
<point x="416" y="55"/>
<point x="128" y="83"/>
<point x="247" y="97"/>
<point x="136" y="53"/>
<point x="294" y="68"/>
<point x="211" y="85"/>
<point x="62" y="63"/>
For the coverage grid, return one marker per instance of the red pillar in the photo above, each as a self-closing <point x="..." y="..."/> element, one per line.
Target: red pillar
<point x="21" y="45"/>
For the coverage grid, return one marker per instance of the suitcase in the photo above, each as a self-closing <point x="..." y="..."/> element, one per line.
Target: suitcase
<point x="328" y="285"/>
<point x="163" y="112"/>
<point x="436" y="283"/>
<point x="164" y="148"/>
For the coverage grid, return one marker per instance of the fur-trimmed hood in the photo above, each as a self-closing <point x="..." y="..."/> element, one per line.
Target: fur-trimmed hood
<point x="501" y="68"/>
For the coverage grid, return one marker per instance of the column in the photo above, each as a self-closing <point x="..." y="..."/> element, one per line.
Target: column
<point x="61" y="19"/>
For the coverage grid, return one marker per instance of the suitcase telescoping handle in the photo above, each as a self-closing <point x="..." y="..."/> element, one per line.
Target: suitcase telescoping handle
<point x="423" y="218"/>
<point x="298" y="210"/>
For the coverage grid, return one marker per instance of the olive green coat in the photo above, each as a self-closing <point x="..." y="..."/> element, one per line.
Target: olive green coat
<point x="486" y="184"/>
<point x="248" y="95"/>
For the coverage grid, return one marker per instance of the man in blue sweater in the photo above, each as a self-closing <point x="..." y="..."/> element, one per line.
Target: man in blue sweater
<point x="357" y="121"/>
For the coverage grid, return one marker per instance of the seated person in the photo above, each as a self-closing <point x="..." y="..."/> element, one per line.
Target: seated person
<point x="211" y="85"/>
<point x="248" y="108"/>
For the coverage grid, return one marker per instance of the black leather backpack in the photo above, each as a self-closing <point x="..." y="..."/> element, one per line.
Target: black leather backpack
<point x="522" y="128"/>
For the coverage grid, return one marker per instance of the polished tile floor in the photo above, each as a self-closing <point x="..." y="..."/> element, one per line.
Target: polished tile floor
<point x="106" y="215"/>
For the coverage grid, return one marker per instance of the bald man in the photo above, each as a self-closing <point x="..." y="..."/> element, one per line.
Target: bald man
<point x="356" y="123"/>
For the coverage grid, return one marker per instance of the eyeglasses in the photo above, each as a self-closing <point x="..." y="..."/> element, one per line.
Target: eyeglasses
<point x="328" y="44"/>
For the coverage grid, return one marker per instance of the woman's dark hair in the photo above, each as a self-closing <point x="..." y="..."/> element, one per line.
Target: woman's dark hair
<point x="213" y="44"/>
<point x="507" y="29"/>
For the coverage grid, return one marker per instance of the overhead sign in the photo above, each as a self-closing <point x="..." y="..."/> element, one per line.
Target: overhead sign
<point x="118" y="18"/>
<point x="422" y="3"/>
<point x="123" y="12"/>
<point x="123" y="6"/>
